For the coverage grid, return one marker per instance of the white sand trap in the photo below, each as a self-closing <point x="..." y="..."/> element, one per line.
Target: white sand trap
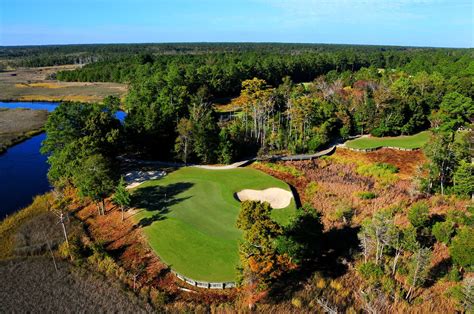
<point x="135" y="178"/>
<point x="278" y="198"/>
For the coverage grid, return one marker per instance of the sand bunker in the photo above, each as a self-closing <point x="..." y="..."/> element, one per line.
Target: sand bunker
<point x="135" y="178"/>
<point x="278" y="198"/>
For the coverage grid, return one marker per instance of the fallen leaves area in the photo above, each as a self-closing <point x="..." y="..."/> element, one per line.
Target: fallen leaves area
<point x="332" y="182"/>
<point x="126" y="243"/>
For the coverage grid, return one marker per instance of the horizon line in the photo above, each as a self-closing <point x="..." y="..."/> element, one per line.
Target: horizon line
<point x="234" y="42"/>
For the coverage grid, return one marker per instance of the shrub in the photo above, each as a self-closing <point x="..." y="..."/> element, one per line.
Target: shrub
<point x="311" y="189"/>
<point x="342" y="213"/>
<point x="370" y="271"/>
<point x="388" y="167"/>
<point x="296" y="302"/>
<point x="419" y="214"/>
<point x="443" y="231"/>
<point x="462" y="248"/>
<point x="382" y="172"/>
<point x="366" y="195"/>
<point x="284" y="168"/>
<point x="158" y="298"/>
<point x="454" y="274"/>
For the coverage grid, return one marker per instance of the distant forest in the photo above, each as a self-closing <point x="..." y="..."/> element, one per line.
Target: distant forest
<point x="278" y="98"/>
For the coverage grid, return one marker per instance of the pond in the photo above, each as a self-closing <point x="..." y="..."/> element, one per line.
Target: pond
<point x="23" y="170"/>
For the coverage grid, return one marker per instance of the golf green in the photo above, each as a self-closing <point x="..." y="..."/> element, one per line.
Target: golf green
<point x="409" y="141"/>
<point x="189" y="218"/>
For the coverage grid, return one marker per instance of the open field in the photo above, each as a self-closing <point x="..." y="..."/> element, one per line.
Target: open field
<point x="410" y="142"/>
<point x="19" y="124"/>
<point x="33" y="285"/>
<point x="34" y="84"/>
<point x="189" y="218"/>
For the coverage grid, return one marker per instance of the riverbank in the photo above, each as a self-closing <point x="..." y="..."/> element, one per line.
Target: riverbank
<point x="18" y="125"/>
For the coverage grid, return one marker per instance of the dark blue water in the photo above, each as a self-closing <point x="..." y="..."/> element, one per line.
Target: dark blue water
<point x="23" y="170"/>
<point x="22" y="175"/>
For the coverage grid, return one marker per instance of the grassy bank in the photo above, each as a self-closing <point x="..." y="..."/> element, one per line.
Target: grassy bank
<point x="189" y="218"/>
<point x="408" y="142"/>
<point x="17" y="125"/>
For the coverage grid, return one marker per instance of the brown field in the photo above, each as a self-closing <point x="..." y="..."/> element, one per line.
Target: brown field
<point x="333" y="182"/>
<point x="33" y="84"/>
<point x="32" y="285"/>
<point x="19" y="124"/>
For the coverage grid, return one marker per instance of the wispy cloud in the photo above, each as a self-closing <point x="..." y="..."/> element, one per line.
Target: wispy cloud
<point x="347" y="10"/>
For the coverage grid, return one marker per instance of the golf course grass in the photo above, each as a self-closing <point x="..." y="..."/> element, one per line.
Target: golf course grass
<point x="410" y="142"/>
<point x="192" y="228"/>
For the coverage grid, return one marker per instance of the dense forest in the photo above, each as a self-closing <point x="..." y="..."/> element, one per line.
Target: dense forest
<point x="285" y="99"/>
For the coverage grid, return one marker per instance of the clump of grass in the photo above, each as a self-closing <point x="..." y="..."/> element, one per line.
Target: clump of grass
<point x="311" y="189"/>
<point x="366" y="195"/>
<point x="383" y="173"/>
<point x="284" y="168"/>
<point x="342" y="213"/>
<point x="10" y="225"/>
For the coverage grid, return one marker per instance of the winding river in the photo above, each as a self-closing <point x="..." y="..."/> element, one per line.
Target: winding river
<point x="23" y="169"/>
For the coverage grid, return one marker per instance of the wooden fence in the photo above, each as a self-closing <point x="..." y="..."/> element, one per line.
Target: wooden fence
<point x="205" y="284"/>
<point x="366" y="150"/>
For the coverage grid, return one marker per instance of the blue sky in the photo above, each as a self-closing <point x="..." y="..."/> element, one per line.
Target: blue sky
<point x="445" y="23"/>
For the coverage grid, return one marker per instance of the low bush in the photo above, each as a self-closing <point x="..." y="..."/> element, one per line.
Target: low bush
<point x="311" y="189"/>
<point x="343" y="212"/>
<point x="418" y="215"/>
<point x="443" y="231"/>
<point x="366" y="195"/>
<point x="383" y="173"/>
<point x="370" y="271"/>
<point x="462" y="248"/>
<point x="284" y="168"/>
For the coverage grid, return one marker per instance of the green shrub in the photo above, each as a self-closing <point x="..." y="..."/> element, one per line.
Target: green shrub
<point x="370" y="271"/>
<point x="443" y="231"/>
<point x="366" y="195"/>
<point x="383" y="173"/>
<point x="388" y="284"/>
<point x="284" y="168"/>
<point x="343" y="212"/>
<point x="296" y="302"/>
<point x="419" y="214"/>
<point x="462" y="248"/>
<point x="387" y="167"/>
<point x="454" y="274"/>
<point x="311" y="189"/>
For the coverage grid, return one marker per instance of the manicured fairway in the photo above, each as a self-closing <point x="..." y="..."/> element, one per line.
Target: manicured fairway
<point x="196" y="234"/>
<point x="412" y="141"/>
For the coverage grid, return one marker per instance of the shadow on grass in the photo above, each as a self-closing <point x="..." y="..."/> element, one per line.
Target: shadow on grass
<point x="159" y="199"/>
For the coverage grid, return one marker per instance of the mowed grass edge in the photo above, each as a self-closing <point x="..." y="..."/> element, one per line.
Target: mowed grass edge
<point x="196" y="235"/>
<point x="409" y="142"/>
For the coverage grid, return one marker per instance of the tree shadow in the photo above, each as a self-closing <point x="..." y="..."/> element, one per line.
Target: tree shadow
<point x="328" y="253"/>
<point x="159" y="199"/>
<point x="438" y="271"/>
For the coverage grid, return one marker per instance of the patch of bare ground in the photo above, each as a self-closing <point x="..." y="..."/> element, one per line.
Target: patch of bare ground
<point x="32" y="285"/>
<point x="35" y="84"/>
<point x="19" y="124"/>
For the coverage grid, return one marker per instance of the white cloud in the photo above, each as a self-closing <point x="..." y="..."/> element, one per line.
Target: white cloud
<point x="356" y="9"/>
